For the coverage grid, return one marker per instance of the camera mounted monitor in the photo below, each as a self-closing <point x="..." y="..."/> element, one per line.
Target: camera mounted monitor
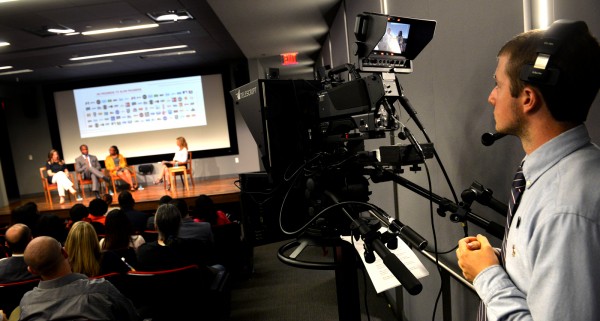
<point x="390" y="43"/>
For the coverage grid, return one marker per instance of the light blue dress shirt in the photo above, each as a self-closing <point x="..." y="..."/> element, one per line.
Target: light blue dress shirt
<point x="553" y="246"/>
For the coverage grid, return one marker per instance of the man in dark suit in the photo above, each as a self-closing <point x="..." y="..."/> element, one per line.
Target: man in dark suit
<point x="89" y="167"/>
<point x="13" y="268"/>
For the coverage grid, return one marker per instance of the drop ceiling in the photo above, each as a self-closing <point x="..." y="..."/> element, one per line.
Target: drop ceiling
<point x="222" y="31"/>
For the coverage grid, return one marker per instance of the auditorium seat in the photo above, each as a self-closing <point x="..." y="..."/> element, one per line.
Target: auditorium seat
<point x="186" y="293"/>
<point x="11" y="293"/>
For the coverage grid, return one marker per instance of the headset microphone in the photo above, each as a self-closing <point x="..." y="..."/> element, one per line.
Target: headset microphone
<point x="488" y="139"/>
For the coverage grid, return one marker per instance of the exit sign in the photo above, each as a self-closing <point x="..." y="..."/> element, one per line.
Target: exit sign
<point x="289" y="58"/>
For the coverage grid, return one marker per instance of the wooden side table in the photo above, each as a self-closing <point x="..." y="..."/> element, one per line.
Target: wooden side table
<point x="179" y="169"/>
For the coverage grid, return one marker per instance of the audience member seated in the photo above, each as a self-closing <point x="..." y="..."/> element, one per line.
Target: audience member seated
<point x="97" y="216"/>
<point x="169" y="251"/>
<point x="64" y="295"/>
<point x="27" y="214"/>
<point x="83" y="249"/>
<point x="57" y="174"/>
<point x="49" y="224"/>
<point x="138" y="219"/>
<point x="165" y="199"/>
<point x="78" y="212"/>
<point x="13" y="268"/>
<point x="119" y="239"/>
<point x="190" y="229"/>
<point x="116" y="164"/>
<point x="205" y="211"/>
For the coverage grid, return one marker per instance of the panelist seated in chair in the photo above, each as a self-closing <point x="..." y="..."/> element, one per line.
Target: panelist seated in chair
<point x="180" y="159"/>
<point x="57" y="174"/>
<point x="116" y="164"/>
<point x="89" y="168"/>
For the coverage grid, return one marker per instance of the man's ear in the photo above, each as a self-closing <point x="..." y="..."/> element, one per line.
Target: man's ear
<point x="32" y="271"/>
<point x="530" y="99"/>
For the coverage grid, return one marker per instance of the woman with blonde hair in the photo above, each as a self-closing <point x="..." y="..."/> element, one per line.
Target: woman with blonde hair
<point x="83" y="249"/>
<point x="179" y="159"/>
<point x="57" y="174"/>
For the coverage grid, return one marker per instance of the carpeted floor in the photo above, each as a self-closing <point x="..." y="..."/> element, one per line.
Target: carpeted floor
<point x="278" y="292"/>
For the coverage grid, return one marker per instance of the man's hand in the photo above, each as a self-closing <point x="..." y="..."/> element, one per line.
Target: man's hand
<point x="474" y="255"/>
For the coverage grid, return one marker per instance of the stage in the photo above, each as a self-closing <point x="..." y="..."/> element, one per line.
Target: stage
<point x="223" y="190"/>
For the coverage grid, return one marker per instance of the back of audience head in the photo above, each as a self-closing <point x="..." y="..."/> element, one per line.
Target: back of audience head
<point x="165" y="199"/>
<point x="126" y="200"/>
<point x="84" y="249"/>
<point x="45" y="257"/>
<point x="27" y="214"/>
<point x="17" y="237"/>
<point x="118" y="230"/>
<point x="204" y="209"/>
<point x="181" y="206"/>
<point x="168" y="221"/>
<point x="107" y="198"/>
<point x="49" y="224"/>
<point x="98" y="207"/>
<point x="78" y="212"/>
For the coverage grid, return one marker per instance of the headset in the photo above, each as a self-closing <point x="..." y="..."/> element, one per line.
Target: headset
<point x="559" y="32"/>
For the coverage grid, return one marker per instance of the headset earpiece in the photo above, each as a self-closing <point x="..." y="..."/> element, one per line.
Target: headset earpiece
<point x="559" y="32"/>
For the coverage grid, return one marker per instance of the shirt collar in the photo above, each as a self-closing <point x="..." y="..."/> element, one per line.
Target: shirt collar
<point x="551" y="152"/>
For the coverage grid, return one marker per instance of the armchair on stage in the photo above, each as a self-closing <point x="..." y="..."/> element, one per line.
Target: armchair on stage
<point x="48" y="187"/>
<point x="183" y="172"/>
<point x="82" y="182"/>
<point x="114" y="178"/>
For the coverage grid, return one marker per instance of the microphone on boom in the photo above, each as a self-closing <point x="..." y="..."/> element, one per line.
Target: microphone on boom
<point x="488" y="139"/>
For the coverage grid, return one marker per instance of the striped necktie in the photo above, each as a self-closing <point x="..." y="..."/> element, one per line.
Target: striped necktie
<point x="518" y="186"/>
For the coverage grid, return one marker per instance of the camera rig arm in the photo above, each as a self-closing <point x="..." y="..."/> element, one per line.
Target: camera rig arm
<point x="460" y="214"/>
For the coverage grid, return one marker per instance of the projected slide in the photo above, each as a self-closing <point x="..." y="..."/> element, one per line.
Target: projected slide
<point x="140" y="107"/>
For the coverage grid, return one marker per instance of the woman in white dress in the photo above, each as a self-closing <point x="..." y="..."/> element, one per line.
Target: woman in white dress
<point x="180" y="159"/>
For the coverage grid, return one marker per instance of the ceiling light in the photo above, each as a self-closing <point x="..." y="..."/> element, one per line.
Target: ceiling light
<point x="60" y="30"/>
<point x="86" y="63"/>
<point x="99" y="31"/>
<point x="22" y="71"/>
<point x="2" y="1"/>
<point x="5" y="67"/>
<point x="167" y="54"/>
<point x="4" y="43"/>
<point x="122" y="53"/>
<point x="170" y="15"/>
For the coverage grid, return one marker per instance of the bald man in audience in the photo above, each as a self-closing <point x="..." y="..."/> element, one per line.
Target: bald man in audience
<point x="13" y="268"/>
<point x="64" y="295"/>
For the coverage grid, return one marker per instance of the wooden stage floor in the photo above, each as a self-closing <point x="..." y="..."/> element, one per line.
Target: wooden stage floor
<point x="223" y="191"/>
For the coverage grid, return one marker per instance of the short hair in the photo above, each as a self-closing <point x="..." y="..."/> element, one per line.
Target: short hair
<point x="98" y="207"/>
<point x="577" y="59"/>
<point x="205" y="209"/>
<point x="165" y="199"/>
<point x="81" y="146"/>
<point x="22" y="237"/>
<point x="107" y="198"/>
<point x="78" y="212"/>
<point x="27" y="214"/>
<point x="167" y="221"/>
<point x="50" y="224"/>
<point x="181" y="206"/>
<point x="44" y="255"/>
<point x="126" y="200"/>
